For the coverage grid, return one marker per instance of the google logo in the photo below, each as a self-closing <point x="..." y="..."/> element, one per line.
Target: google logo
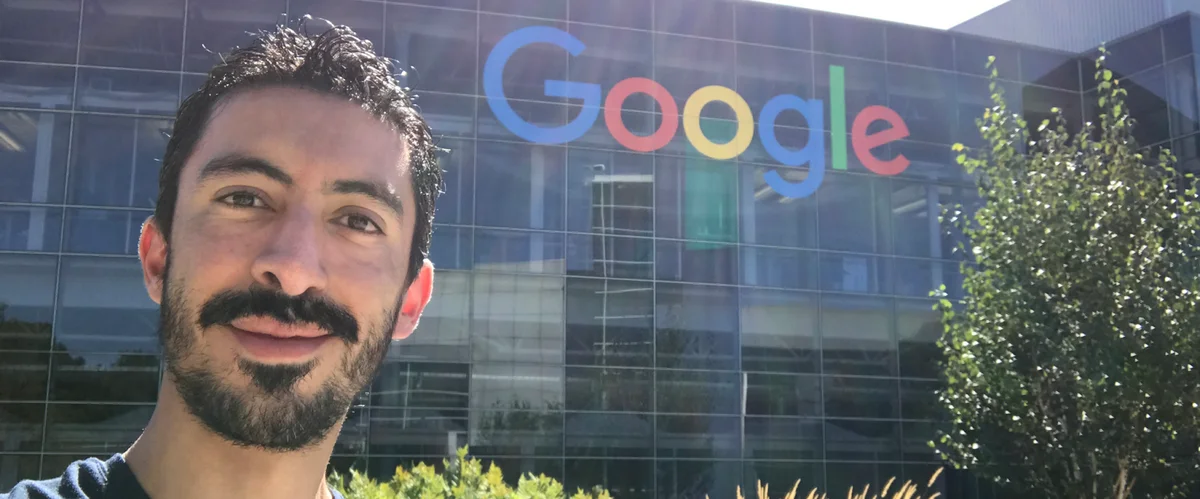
<point x="813" y="110"/>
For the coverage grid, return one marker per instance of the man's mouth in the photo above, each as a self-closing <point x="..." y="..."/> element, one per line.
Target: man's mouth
<point x="268" y="340"/>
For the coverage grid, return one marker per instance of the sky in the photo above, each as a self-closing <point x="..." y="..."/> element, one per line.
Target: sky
<point x="941" y="14"/>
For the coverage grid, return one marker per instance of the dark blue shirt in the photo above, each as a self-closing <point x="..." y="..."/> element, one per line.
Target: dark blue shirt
<point x="89" y="479"/>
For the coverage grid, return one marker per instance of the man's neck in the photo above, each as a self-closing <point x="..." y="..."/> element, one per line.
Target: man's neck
<point x="179" y="458"/>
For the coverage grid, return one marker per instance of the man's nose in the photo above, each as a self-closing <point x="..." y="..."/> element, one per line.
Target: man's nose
<point x="291" y="261"/>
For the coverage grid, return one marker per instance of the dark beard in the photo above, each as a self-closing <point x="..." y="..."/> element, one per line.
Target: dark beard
<point x="279" y="419"/>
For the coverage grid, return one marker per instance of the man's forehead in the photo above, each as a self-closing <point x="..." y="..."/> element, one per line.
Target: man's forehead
<point x="302" y="128"/>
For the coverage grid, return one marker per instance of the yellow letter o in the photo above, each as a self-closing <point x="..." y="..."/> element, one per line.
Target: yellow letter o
<point x="691" y="122"/>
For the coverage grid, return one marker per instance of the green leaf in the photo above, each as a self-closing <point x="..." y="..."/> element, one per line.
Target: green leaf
<point x="1108" y="75"/>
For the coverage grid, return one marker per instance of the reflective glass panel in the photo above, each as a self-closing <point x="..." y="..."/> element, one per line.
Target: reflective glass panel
<point x="423" y="385"/>
<point x="143" y="34"/>
<point x="678" y="478"/>
<point x="860" y="202"/>
<point x="771" y="219"/>
<point x="117" y="160"/>
<point x="698" y="436"/>
<point x="599" y="434"/>
<point x="132" y="92"/>
<point x="107" y="232"/>
<point x="778" y="331"/>
<point x="610" y="322"/>
<point x="122" y="319"/>
<point x="783" y="395"/>
<point x="30" y="228"/>
<point x="622" y="477"/>
<point x="443" y="333"/>
<point x="33" y="155"/>
<point x="215" y="27"/>
<point x="697" y="392"/>
<point x="364" y="17"/>
<point x="695" y="262"/>
<point x="609" y="389"/>
<point x="844" y="35"/>
<point x="784" y="438"/>
<point x="853" y="397"/>
<point x="22" y="426"/>
<point x="769" y="25"/>
<point x="696" y="327"/>
<point x="26" y="301"/>
<point x="856" y="335"/>
<point x="415" y="431"/>
<point x="919" y="328"/>
<point x="41" y="32"/>
<point x="520" y="185"/>
<point x="436" y="47"/>
<point x="708" y="18"/>
<point x="526" y="72"/>
<point x="517" y="318"/>
<point x="94" y="428"/>
<point x="519" y="251"/>
<point x="25" y="374"/>
<point x="36" y="86"/>
<point x="90" y="377"/>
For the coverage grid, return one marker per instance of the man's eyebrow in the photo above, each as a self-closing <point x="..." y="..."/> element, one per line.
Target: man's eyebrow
<point x="374" y="190"/>
<point x="237" y="164"/>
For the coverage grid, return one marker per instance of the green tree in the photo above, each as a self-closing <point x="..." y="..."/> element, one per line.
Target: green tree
<point x="1070" y="363"/>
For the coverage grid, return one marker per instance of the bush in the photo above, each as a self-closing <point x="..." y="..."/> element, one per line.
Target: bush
<point x="464" y="478"/>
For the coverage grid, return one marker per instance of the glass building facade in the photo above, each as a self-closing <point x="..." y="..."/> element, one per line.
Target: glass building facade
<point x="662" y="323"/>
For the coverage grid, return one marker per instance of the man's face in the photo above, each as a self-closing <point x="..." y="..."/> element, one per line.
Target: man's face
<point x="282" y="284"/>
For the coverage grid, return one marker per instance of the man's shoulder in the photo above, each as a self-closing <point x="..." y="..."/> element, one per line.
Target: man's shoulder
<point x="84" y="479"/>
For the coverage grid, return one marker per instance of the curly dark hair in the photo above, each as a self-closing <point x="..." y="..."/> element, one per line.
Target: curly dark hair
<point x="335" y="62"/>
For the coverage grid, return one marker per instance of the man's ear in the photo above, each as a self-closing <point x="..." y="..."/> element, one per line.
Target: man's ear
<point x="152" y="251"/>
<point x="415" y="300"/>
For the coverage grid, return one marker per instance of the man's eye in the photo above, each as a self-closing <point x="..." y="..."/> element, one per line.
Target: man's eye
<point x="361" y="223"/>
<point x="244" y="200"/>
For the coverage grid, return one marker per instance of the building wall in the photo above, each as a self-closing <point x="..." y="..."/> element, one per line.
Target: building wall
<point x="662" y="323"/>
<point x="1071" y="25"/>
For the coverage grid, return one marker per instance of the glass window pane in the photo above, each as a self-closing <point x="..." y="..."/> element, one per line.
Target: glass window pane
<point x="684" y="65"/>
<point x="841" y="476"/>
<point x="364" y="17"/>
<point x="919" y="96"/>
<point x="698" y="392"/>
<point x="435" y="46"/>
<point x="507" y="386"/>
<point x="698" y="436"/>
<point x="856" y="273"/>
<point x="36" y="86"/>
<point x="783" y="395"/>
<point x="451" y="248"/>
<point x="91" y="377"/>
<point x="509" y="173"/>
<point x="919" y="328"/>
<point x="765" y="72"/>
<point x="770" y="219"/>
<point x="771" y="25"/>
<point x="1050" y="69"/>
<point x="918" y="278"/>
<point x="94" y="428"/>
<point x="526" y="72"/>
<point x="40" y="32"/>
<point x="610" y="192"/>
<point x="708" y="18"/>
<point x="1038" y="102"/>
<point x="26" y="301"/>
<point x="779" y="331"/>
<point x="779" y="268"/>
<point x="448" y="115"/>
<point x="624" y="13"/>
<point x="108" y="232"/>
<point x="512" y="251"/>
<point x="457" y="161"/>
<point x="971" y="56"/>
<point x="30" y="228"/>
<point x="116" y="160"/>
<point x="620" y="477"/>
<point x="215" y="27"/>
<point x="120" y="320"/>
<point x="132" y="92"/>
<point x="782" y="475"/>
<point x="422" y="385"/>
<point x="25" y="375"/>
<point x="858" y="201"/>
<point x="33" y="155"/>
<point x="784" y="438"/>
<point x="916" y="209"/>
<point x="610" y="256"/>
<point x="517" y="431"/>
<point x="677" y="478"/>
<point x="918" y="399"/>
<point x="696" y="199"/>
<point x="920" y="46"/>
<point x="415" y="432"/>
<point x="844" y="35"/>
<point x="443" y="333"/>
<point x="695" y="262"/>
<point x="1177" y="37"/>
<point x="597" y="434"/>
<point x="861" y="397"/>
<point x="548" y="9"/>
<point x="917" y="435"/>
<point x="22" y="426"/>
<point x="540" y="114"/>
<point x="1132" y="55"/>
<point x="856" y="335"/>
<point x="609" y="389"/>
<point x="696" y="327"/>
<point x="1181" y="96"/>
<point x="517" y="318"/>
<point x="613" y="55"/>
<point x="610" y="322"/>
<point x="143" y="34"/>
<point x="974" y="96"/>
<point x="521" y="466"/>
<point x="1147" y="101"/>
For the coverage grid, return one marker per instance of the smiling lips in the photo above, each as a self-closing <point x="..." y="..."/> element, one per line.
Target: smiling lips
<point x="269" y="340"/>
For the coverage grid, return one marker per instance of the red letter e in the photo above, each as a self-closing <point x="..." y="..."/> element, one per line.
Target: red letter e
<point x="863" y="143"/>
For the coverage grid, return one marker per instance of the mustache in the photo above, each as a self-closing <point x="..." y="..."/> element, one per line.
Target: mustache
<point x="227" y="306"/>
